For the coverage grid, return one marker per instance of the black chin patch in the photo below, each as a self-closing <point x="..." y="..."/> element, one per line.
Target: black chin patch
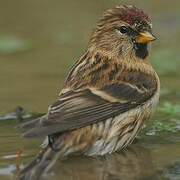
<point x="141" y="50"/>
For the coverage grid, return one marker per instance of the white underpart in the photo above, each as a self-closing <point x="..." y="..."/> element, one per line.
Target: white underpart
<point x="132" y="121"/>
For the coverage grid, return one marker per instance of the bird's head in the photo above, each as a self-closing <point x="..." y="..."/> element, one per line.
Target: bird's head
<point x="123" y="31"/>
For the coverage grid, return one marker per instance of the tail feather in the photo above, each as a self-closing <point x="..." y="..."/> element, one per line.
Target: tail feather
<point x="31" y="124"/>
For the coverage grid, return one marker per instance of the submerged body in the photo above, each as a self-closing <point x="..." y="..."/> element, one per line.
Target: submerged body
<point x="108" y="95"/>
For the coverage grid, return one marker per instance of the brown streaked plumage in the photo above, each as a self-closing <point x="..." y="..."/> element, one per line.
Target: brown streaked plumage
<point x="108" y="94"/>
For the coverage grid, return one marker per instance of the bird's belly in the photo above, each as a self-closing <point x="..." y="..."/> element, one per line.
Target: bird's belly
<point x="108" y="136"/>
<point x="118" y="132"/>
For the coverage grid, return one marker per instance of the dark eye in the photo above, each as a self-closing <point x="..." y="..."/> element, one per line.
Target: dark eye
<point x="123" y="29"/>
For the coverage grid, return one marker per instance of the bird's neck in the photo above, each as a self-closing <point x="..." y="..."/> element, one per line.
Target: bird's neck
<point x="130" y="61"/>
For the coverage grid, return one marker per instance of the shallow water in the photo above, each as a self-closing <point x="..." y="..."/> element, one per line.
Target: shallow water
<point x="39" y="40"/>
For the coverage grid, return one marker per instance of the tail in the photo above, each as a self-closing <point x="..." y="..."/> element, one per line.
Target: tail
<point x="31" y="124"/>
<point x="45" y="159"/>
<point x="40" y="165"/>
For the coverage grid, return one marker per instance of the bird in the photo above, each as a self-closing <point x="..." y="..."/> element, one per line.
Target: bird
<point x="107" y="96"/>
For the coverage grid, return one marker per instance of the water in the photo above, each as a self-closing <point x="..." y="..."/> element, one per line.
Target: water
<point x="38" y="43"/>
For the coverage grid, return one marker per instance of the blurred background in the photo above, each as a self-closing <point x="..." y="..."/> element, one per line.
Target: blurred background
<point x="39" y="41"/>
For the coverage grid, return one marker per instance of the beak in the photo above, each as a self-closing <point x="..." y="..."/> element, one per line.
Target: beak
<point x="145" y="37"/>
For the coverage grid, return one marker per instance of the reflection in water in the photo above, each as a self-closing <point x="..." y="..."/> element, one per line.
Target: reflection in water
<point x="172" y="171"/>
<point x="7" y="170"/>
<point x="134" y="163"/>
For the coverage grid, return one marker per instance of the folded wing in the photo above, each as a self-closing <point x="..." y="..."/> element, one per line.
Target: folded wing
<point x="95" y="90"/>
<point x="76" y="109"/>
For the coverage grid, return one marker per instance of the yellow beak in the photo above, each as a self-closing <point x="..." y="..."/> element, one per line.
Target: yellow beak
<point x="145" y="37"/>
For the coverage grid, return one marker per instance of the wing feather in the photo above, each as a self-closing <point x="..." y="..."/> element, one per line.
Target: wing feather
<point x="80" y="109"/>
<point x="95" y="96"/>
